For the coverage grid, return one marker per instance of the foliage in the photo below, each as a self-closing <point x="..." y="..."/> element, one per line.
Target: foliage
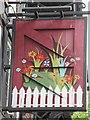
<point x="50" y="70"/>
<point x="80" y="115"/>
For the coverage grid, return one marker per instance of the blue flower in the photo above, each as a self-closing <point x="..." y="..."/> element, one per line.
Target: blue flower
<point x="46" y="63"/>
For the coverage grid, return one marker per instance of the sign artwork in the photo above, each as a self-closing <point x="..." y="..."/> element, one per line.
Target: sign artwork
<point x="49" y="69"/>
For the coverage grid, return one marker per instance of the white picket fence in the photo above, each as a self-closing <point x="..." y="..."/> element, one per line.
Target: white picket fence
<point x="71" y="98"/>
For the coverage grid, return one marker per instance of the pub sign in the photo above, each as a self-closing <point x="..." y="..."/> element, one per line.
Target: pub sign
<point x="49" y="65"/>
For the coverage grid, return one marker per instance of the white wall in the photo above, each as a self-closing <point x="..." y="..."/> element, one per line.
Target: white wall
<point x="1" y="6"/>
<point x="87" y="2"/>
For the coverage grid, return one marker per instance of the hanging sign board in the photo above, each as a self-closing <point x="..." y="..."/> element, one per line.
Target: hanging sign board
<point x="49" y="65"/>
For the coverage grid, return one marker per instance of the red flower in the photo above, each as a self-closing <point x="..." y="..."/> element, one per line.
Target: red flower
<point x="68" y="78"/>
<point x="26" y="70"/>
<point x="40" y="57"/>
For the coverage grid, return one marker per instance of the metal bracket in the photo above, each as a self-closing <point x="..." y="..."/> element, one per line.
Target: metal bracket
<point x="88" y="88"/>
<point x="7" y="67"/>
<point x="49" y="15"/>
<point x="43" y="12"/>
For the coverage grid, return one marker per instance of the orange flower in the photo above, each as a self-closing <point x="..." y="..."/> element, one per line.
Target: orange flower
<point x="40" y="57"/>
<point x="53" y="75"/>
<point x="68" y="78"/>
<point x="32" y="54"/>
<point x="77" y="77"/>
<point x="62" y="80"/>
<point x="26" y="70"/>
<point x="31" y="67"/>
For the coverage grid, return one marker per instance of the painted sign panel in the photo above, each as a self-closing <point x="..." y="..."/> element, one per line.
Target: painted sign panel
<point x="49" y="69"/>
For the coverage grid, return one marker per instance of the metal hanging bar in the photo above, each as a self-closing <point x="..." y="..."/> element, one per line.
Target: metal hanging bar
<point x="76" y="13"/>
<point x="47" y="14"/>
<point x="37" y="1"/>
<point x="41" y="1"/>
<point x="50" y="14"/>
<point x="47" y="9"/>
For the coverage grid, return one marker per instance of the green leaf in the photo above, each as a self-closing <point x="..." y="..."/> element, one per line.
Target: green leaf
<point x="54" y="43"/>
<point x="32" y="84"/>
<point x="43" y="79"/>
<point x="59" y="42"/>
<point x="67" y="86"/>
<point x="78" y="115"/>
<point x="26" y="79"/>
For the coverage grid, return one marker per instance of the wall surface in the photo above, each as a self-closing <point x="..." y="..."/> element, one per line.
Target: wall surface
<point x="1" y="6"/>
<point x="87" y="2"/>
<point x="0" y="73"/>
<point x="1" y="12"/>
<point x="88" y="53"/>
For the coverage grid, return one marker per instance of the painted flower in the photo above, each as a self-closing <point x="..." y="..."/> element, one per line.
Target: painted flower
<point x="46" y="63"/>
<point x="34" y="75"/>
<point x="18" y="69"/>
<point x="67" y="63"/>
<point x="72" y="60"/>
<point x="78" y="58"/>
<point x="40" y="57"/>
<point x="68" y="78"/>
<point x="77" y="77"/>
<point x="32" y="54"/>
<point x="62" y="80"/>
<point x="24" y="61"/>
<point x="26" y="70"/>
<point x="53" y="75"/>
<point x="31" y="67"/>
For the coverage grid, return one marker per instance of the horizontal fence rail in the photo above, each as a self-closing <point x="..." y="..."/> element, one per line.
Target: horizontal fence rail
<point x="46" y="98"/>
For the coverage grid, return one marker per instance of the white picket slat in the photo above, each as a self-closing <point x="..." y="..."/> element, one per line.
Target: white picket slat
<point x="50" y="98"/>
<point x="28" y="97"/>
<point x="42" y="97"/>
<point x="64" y="97"/>
<point x="57" y="97"/>
<point x="14" y="97"/>
<point x="71" y="97"/>
<point x="79" y="96"/>
<point x="21" y="97"/>
<point x="35" y="97"/>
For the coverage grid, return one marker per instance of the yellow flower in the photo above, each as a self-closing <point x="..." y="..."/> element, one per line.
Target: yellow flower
<point x="53" y="75"/>
<point x="32" y="54"/>
<point x="77" y="77"/>
<point x="62" y="80"/>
